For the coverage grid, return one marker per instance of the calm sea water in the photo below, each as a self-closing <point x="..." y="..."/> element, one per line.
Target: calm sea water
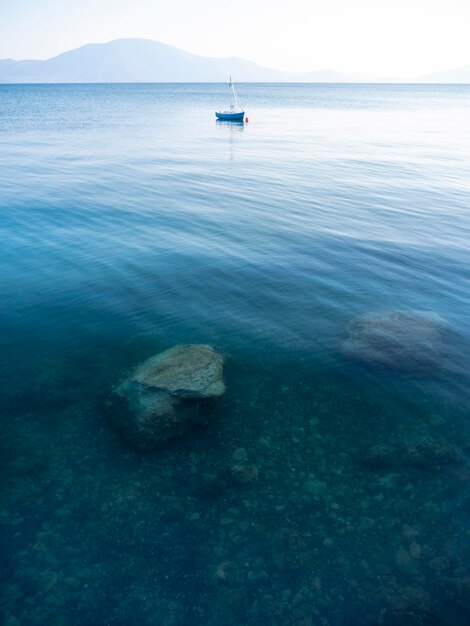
<point x="132" y="221"/>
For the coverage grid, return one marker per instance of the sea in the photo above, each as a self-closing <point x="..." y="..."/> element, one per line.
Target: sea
<point x="322" y="247"/>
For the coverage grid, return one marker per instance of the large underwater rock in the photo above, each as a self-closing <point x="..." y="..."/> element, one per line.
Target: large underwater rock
<point x="185" y="371"/>
<point x="167" y="394"/>
<point x="401" y="340"/>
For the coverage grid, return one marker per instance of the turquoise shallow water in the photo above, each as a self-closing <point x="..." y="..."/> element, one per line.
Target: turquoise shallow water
<point x="132" y="221"/>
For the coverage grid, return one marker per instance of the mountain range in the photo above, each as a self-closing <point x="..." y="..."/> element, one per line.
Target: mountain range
<point x="144" y="60"/>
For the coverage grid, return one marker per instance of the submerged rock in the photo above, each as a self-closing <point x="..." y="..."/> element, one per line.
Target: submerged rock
<point x="185" y="371"/>
<point x="290" y="551"/>
<point x="439" y="563"/>
<point x="402" y="340"/>
<point x="432" y="453"/>
<point x="409" y="605"/>
<point x="227" y="573"/>
<point x="415" y="550"/>
<point x="380" y="456"/>
<point x="240" y="455"/>
<point x="167" y="394"/>
<point x="243" y="474"/>
<point x="314" y="487"/>
<point x="425" y="454"/>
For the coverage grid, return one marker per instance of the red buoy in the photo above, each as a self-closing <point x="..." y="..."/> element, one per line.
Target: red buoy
<point x="246" y="119"/>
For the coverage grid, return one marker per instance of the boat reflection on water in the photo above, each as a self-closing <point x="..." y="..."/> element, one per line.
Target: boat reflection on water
<point x="231" y="130"/>
<point x="237" y="124"/>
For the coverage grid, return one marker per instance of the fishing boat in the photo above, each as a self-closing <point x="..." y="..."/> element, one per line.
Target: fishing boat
<point x="235" y="112"/>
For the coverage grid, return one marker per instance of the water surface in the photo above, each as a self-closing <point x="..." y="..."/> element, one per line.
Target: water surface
<point x="132" y="221"/>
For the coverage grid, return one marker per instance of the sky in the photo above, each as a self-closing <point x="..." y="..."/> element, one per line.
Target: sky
<point x="388" y="38"/>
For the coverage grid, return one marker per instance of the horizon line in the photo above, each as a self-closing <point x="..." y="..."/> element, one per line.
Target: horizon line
<point x="242" y="82"/>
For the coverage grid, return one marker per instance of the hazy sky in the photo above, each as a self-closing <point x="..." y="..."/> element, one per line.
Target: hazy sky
<point x="402" y="38"/>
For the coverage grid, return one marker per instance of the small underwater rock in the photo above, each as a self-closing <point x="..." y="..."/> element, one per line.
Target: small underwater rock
<point x="380" y="456"/>
<point x="271" y="475"/>
<point x="314" y="487"/>
<point x="415" y="550"/>
<point x="227" y="573"/>
<point x="409" y="533"/>
<point x="271" y="607"/>
<point x="436" y="420"/>
<point x="244" y="473"/>
<point x="366" y="523"/>
<point x="439" y="563"/>
<point x="167" y="394"/>
<point x="47" y="580"/>
<point x="290" y="550"/>
<point x="397" y="339"/>
<point x="11" y="592"/>
<point x="240" y="455"/>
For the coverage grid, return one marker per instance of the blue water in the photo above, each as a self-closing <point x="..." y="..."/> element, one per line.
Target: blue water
<point x="131" y="221"/>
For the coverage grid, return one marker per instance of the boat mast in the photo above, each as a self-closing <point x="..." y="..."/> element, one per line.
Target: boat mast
<point x="237" y="105"/>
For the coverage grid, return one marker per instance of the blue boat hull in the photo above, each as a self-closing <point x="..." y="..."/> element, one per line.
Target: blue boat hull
<point x="230" y="116"/>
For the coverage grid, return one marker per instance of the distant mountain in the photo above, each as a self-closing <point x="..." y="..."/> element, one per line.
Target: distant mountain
<point x="6" y="63"/>
<point x="458" y="75"/>
<point x="143" y="60"/>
